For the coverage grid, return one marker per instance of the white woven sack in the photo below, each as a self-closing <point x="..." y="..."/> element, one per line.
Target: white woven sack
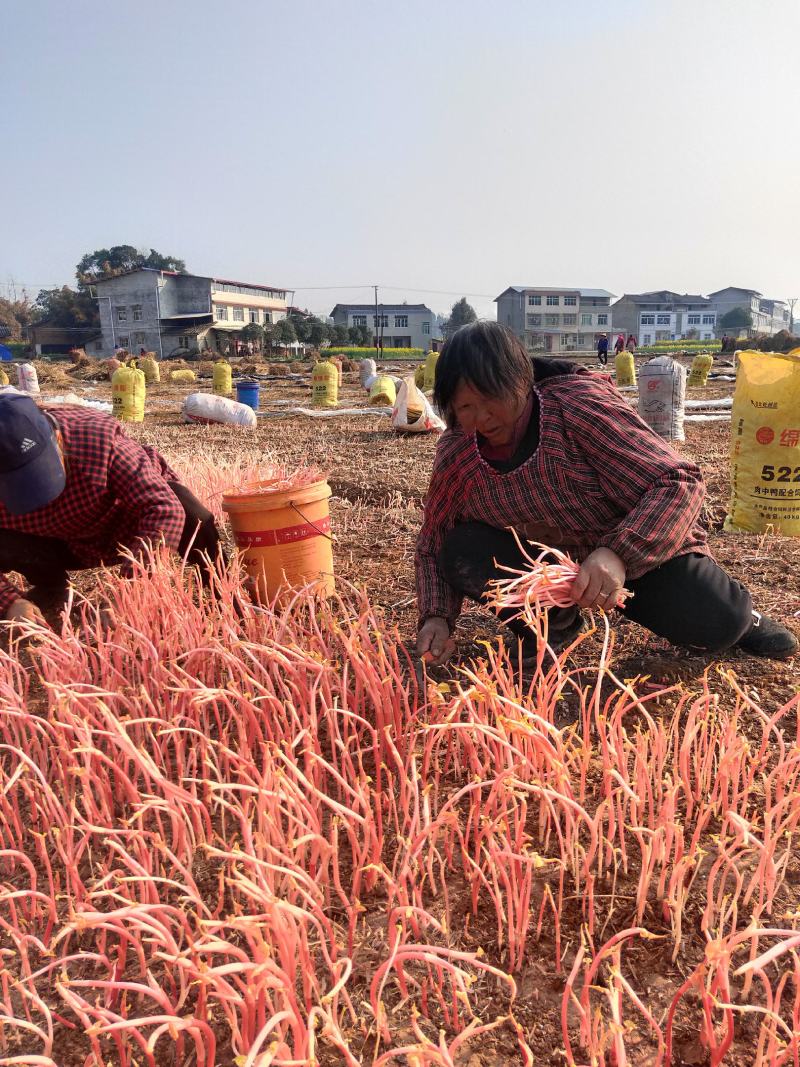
<point x="662" y="396"/>
<point x="206" y="407"/>
<point x="409" y="394"/>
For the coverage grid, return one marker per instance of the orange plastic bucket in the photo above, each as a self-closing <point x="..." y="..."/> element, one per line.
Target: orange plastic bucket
<point x="284" y="536"/>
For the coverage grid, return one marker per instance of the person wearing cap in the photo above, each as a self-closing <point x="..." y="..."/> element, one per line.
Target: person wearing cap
<point x="75" y="493"/>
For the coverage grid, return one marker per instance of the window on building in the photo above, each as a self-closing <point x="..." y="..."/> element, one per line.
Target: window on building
<point x="570" y="301"/>
<point x="137" y="312"/>
<point x="534" y="301"/>
<point x="647" y="338"/>
<point x="581" y="340"/>
<point x="693" y="320"/>
<point x="647" y="320"/>
<point x="662" y="320"/>
<point x="708" y="320"/>
<point x="602" y="320"/>
<point x="570" y="320"/>
<point x="359" y="320"/>
<point x="139" y="339"/>
<point x="98" y="346"/>
<point x="535" y="342"/>
<point x="267" y="318"/>
<point x="123" y="341"/>
<point x="552" y="301"/>
<point x="708" y="336"/>
<point x="426" y="327"/>
<point x="122" y="314"/>
<point x="551" y="320"/>
<point x="221" y="313"/>
<point x="380" y="320"/>
<point x="533" y="320"/>
<point x="401" y="322"/>
<point x="253" y="315"/>
<point x="238" y="314"/>
<point x="183" y="342"/>
<point x="586" y="318"/>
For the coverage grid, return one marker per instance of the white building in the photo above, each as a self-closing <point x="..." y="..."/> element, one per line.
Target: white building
<point x="180" y="314"/>
<point x="553" y="320"/>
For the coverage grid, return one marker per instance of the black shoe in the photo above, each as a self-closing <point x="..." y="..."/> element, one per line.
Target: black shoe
<point x="768" y="638"/>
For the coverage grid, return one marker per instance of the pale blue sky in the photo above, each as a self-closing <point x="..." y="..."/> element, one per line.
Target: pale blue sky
<point x="454" y="145"/>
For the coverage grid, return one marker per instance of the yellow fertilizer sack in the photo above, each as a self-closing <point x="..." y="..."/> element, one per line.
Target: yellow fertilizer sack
<point x="150" y="369"/>
<point x="127" y="394"/>
<point x="765" y="444"/>
<point x="183" y="377"/>
<point x="223" y="378"/>
<point x="382" y="392"/>
<point x="701" y="365"/>
<point x="430" y="370"/>
<point x="625" y="366"/>
<point x="419" y="376"/>
<point x="3" y="378"/>
<point x="324" y="385"/>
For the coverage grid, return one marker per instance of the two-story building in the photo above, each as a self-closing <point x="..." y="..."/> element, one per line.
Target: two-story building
<point x="397" y="325"/>
<point x="665" y="316"/>
<point x="767" y="316"/>
<point x="554" y="320"/>
<point x="175" y="314"/>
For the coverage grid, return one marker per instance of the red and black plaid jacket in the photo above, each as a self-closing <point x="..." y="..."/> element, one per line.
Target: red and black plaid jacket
<point x="599" y="475"/>
<point x="116" y="496"/>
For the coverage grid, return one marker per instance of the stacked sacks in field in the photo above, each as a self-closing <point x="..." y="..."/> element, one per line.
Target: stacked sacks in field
<point x="182" y="377"/>
<point x="382" y="391"/>
<point x="208" y="408"/>
<point x="701" y="365"/>
<point x="223" y="378"/>
<point x="367" y="372"/>
<point x="325" y="385"/>
<point x="150" y="369"/>
<point x="765" y="444"/>
<point x="662" y="396"/>
<point x="27" y="378"/>
<point x="430" y="370"/>
<point x="128" y="390"/>
<point x="625" y="368"/>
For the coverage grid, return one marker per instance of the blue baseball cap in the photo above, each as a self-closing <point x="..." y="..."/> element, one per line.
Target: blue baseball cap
<point x="31" y="472"/>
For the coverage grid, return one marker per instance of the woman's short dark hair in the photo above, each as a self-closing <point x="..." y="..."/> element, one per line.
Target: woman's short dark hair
<point x="486" y="356"/>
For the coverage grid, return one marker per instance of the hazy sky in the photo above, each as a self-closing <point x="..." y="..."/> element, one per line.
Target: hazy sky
<point x="443" y="145"/>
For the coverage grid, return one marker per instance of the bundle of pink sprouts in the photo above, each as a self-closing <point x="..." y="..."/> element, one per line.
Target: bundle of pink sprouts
<point x="547" y="582"/>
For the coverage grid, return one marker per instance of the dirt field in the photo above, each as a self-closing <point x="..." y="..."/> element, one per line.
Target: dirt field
<point x="378" y="480"/>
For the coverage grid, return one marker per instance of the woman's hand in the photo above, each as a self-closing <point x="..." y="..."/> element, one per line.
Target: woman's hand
<point x="600" y="580"/>
<point x="434" y="645"/>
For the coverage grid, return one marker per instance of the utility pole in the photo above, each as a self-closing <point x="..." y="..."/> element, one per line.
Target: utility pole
<point x="791" y="302"/>
<point x="377" y="350"/>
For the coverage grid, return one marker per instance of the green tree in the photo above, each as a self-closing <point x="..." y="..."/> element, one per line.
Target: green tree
<point x="254" y="333"/>
<point x="339" y="335"/>
<point x="736" y="319"/>
<point x="317" y="331"/>
<point x="302" y="326"/>
<point x="109" y="262"/>
<point x="461" y="314"/>
<point x="15" y="314"/>
<point x="359" y="336"/>
<point x="283" y="332"/>
<point x="66" y="308"/>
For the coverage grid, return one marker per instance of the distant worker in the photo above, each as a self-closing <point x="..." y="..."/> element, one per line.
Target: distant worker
<point x="632" y="342"/>
<point x="75" y="491"/>
<point x="142" y="353"/>
<point x="619" y="344"/>
<point x="602" y="349"/>
<point x="546" y="448"/>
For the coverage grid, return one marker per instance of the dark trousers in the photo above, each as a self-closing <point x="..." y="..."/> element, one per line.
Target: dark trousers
<point x="602" y="355"/>
<point x="689" y="600"/>
<point x="45" y="561"/>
